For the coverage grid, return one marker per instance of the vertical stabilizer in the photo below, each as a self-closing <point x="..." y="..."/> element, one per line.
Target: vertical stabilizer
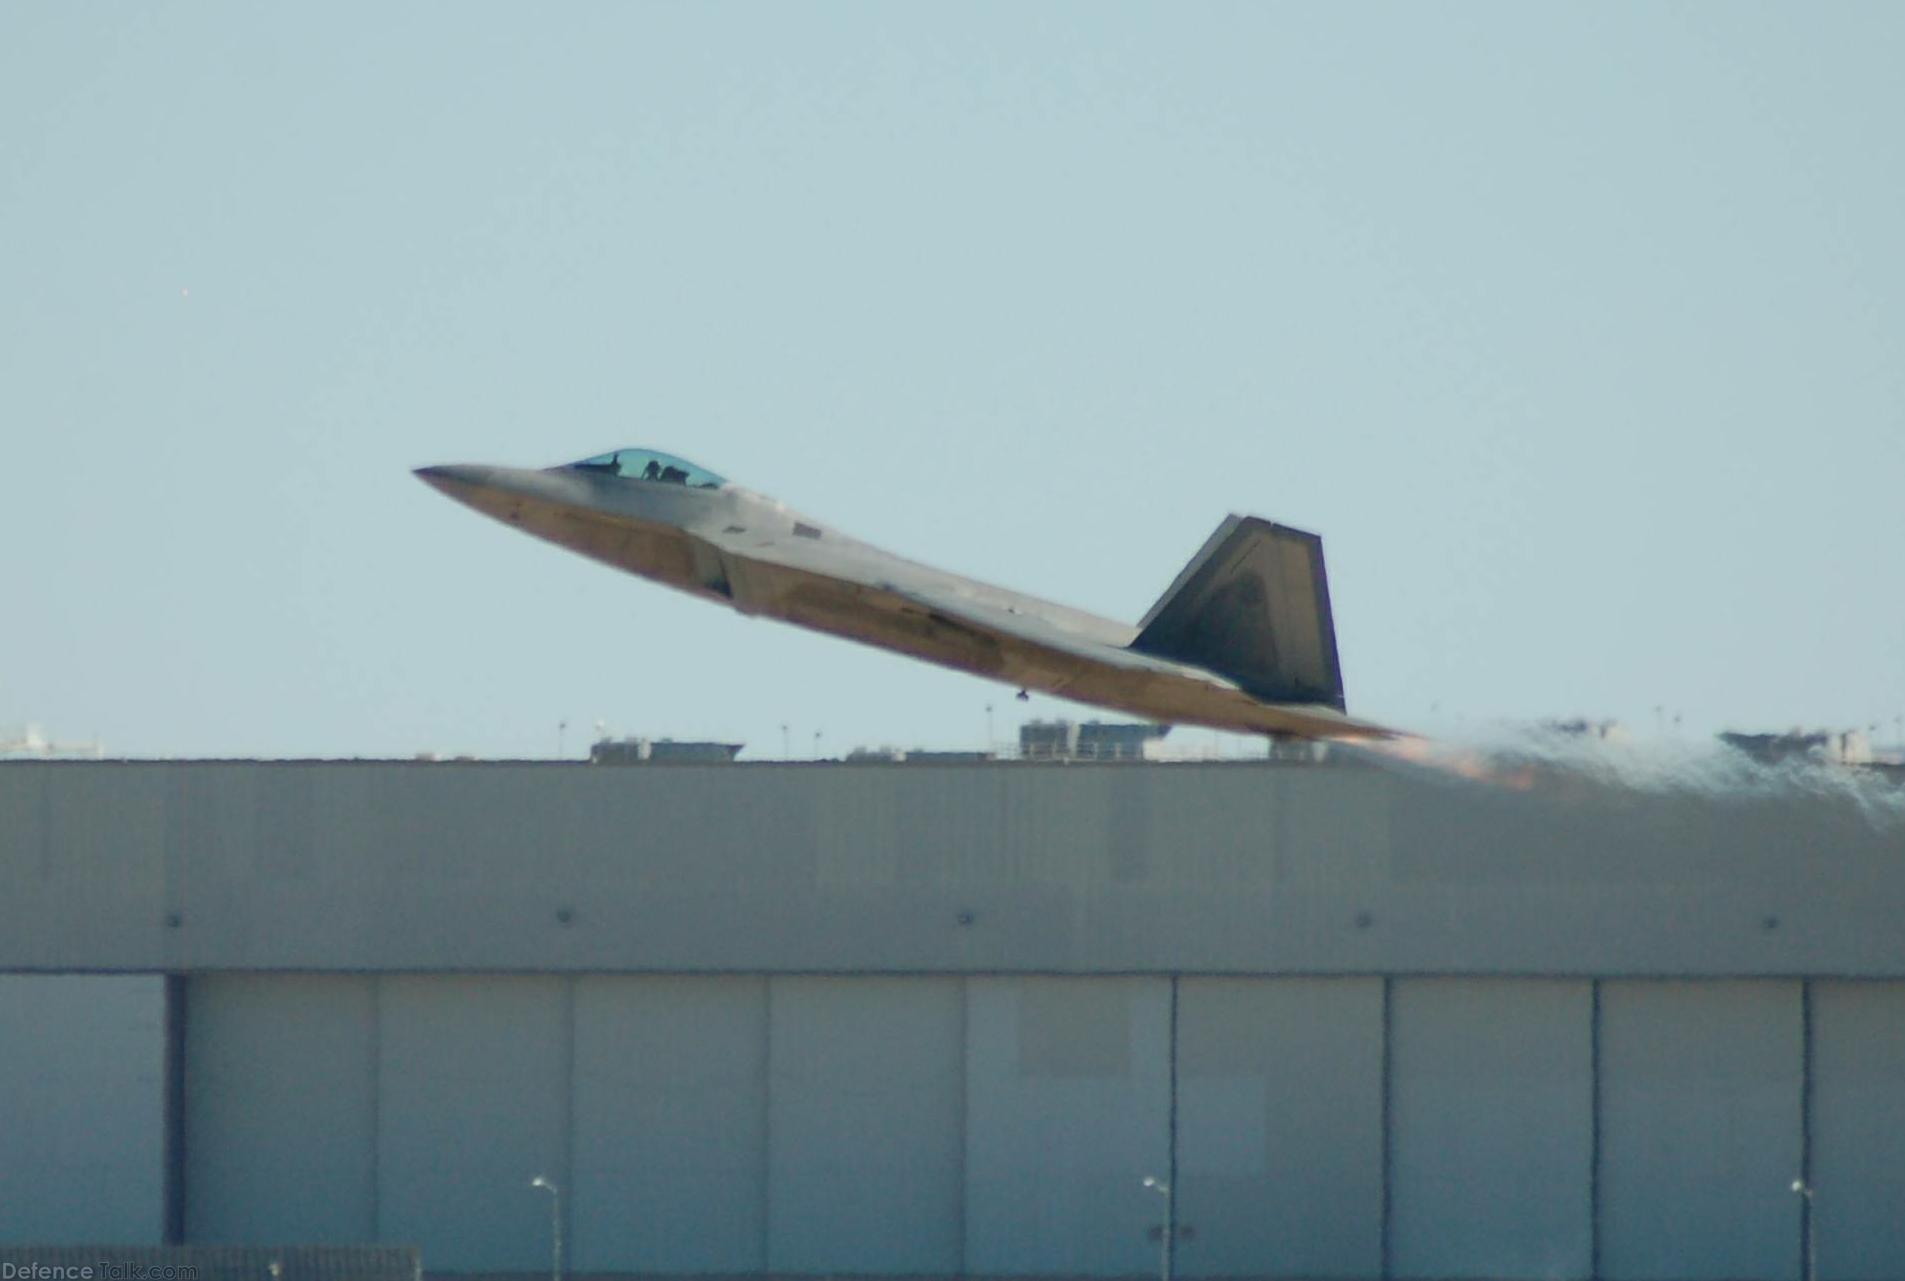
<point x="1254" y="606"/>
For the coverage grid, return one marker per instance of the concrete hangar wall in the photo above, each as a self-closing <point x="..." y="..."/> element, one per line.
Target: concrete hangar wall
<point x="908" y="1020"/>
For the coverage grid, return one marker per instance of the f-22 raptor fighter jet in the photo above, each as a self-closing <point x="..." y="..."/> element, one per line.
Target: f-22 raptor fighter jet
<point x="1242" y="641"/>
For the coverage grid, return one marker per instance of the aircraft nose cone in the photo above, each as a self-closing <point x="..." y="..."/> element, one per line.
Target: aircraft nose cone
<point x="458" y="480"/>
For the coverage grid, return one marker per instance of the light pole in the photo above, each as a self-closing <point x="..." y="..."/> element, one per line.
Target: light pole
<point x="555" y="1225"/>
<point x="1164" y="1234"/>
<point x="1810" y="1228"/>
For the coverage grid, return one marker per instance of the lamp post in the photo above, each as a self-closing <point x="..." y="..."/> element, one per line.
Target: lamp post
<point x="555" y="1225"/>
<point x="1163" y="1189"/>
<point x="1811" y="1230"/>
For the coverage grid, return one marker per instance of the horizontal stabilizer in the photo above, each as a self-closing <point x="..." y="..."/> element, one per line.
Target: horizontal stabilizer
<point x="1253" y="606"/>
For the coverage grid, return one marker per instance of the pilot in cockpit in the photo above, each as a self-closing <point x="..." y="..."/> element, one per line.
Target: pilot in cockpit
<point x="655" y="468"/>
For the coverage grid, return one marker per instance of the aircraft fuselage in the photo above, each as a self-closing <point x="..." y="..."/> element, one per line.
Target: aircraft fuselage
<point x="732" y="546"/>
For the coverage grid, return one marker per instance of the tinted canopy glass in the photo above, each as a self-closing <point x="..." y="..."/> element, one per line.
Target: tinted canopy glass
<point x="652" y="465"/>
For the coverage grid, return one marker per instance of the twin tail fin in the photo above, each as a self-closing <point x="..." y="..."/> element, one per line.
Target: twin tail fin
<point x="1253" y="606"/>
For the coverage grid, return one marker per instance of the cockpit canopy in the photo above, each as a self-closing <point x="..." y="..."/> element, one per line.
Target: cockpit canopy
<point x="652" y="465"/>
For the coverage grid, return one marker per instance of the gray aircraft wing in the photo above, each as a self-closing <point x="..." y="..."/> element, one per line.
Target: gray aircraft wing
<point x="1023" y="630"/>
<point x="1094" y="672"/>
<point x="1199" y="658"/>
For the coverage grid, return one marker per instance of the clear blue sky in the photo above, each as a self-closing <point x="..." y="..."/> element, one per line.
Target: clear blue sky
<point x="1577" y="330"/>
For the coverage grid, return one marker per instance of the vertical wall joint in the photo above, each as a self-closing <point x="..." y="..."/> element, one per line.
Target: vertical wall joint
<point x="1595" y="1101"/>
<point x="1807" y="1245"/>
<point x="1388" y="1124"/>
<point x="1170" y="1202"/>
<point x="173" y="1189"/>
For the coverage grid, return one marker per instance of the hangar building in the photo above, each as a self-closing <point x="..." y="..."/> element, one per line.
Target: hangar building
<point x="944" y="1020"/>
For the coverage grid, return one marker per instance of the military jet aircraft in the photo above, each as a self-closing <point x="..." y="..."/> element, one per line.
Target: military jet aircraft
<point x="1242" y="641"/>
